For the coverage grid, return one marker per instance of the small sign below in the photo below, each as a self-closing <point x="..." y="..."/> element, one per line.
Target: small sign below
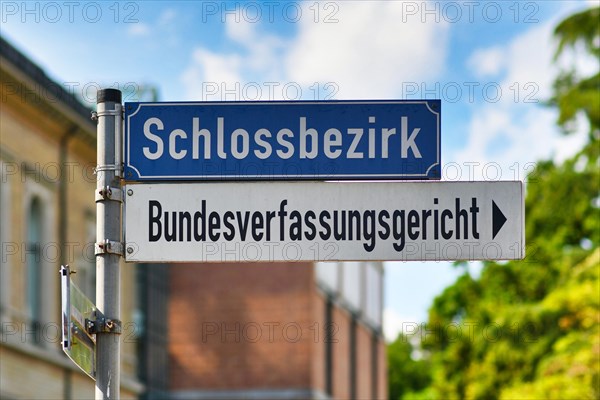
<point x="76" y="308"/>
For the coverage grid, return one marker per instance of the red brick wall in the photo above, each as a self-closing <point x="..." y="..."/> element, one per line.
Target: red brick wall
<point x="363" y="362"/>
<point x="261" y="326"/>
<point x="241" y="326"/>
<point x="341" y="354"/>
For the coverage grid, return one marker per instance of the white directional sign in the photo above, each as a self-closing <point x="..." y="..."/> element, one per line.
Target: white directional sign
<point x="323" y="221"/>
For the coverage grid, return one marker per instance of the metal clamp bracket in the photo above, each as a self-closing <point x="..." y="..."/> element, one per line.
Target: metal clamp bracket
<point x="108" y="246"/>
<point x="109" y="193"/>
<point x="103" y="325"/>
<point x="109" y="167"/>
<point x="118" y="112"/>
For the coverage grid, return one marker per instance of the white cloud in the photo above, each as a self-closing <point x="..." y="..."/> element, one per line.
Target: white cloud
<point x="159" y="30"/>
<point x="360" y="64"/>
<point x="242" y="32"/>
<point x="139" y="29"/>
<point x="530" y="58"/>
<point x="505" y="140"/>
<point x="369" y="52"/>
<point x="167" y="17"/>
<point x="394" y="323"/>
<point x="487" y="62"/>
<point x="518" y="129"/>
<point x="209" y="67"/>
<point x="229" y="72"/>
<point x="262" y="50"/>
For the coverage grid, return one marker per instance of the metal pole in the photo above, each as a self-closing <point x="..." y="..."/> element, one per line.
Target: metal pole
<point x="108" y="243"/>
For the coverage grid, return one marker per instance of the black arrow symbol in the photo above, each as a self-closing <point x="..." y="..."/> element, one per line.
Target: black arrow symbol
<point x="498" y="219"/>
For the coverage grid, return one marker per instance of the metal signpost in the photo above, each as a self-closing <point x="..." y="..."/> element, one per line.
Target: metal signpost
<point x="316" y="140"/>
<point x="109" y="243"/>
<point x="91" y="332"/>
<point x="301" y="141"/>
<point x="324" y="221"/>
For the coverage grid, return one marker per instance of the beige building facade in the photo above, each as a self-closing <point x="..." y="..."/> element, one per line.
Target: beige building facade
<point x="47" y="218"/>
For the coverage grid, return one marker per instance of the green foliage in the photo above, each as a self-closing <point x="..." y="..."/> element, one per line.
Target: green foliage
<point x="574" y="94"/>
<point x="405" y="375"/>
<point x="570" y="370"/>
<point x="582" y="27"/>
<point x="530" y="329"/>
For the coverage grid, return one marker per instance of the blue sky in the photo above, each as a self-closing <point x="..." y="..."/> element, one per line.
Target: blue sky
<point x="489" y="62"/>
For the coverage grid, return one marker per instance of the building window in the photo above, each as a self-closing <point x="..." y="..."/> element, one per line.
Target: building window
<point x="351" y="284"/>
<point x="373" y="299"/>
<point x="152" y="282"/>
<point x="328" y="276"/>
<point x="40" y="258"/>
<point x="33" y="261"/>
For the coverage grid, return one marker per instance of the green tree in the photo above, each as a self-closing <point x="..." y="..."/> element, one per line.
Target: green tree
<point x="531" y="328"/>
<point x="574" y="94"/>
<point x="405" y="374"/>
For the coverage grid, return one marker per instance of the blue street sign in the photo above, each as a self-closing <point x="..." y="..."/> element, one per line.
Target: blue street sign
<point x="294" y="140"/>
